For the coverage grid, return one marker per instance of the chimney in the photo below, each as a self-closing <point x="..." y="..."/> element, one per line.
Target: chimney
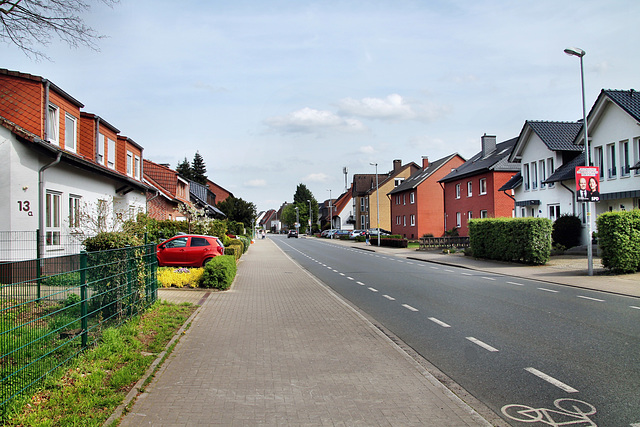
<point x="488" y="144"/>
<point x="397" y="164"/>
<point x="425" y="162"/>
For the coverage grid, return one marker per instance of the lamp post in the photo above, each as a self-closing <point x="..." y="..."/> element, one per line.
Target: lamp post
<point x="297" y="221"/>
<point x="377" y="203"/>
<point x="309" y="217"/>
<point x="330" y="213"/>
<point x="574" y="51"/>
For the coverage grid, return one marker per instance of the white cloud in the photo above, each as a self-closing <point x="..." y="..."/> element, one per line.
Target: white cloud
<point x="393" y="108"/>
<point x="256" y="183"/>
<point x="310" y="120"/>
<point x="366" y="149"/>
<point x="316" y="177"/>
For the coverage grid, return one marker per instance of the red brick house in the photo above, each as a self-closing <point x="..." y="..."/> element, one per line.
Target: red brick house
<point x="417" y="205"/>
<point x="171" y="191"/>
<point x="472" y="190"/>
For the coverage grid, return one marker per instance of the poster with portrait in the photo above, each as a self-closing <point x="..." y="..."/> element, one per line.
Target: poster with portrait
<point x="587" y="183"/>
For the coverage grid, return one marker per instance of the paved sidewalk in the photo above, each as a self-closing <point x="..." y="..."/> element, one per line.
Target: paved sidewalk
<point x="568" y="270"/>
<point x="280" y="348"/>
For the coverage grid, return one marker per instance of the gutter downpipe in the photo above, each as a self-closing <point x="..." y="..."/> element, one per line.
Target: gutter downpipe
<point x="573" y="197"/>
<point x="41" y="202"/>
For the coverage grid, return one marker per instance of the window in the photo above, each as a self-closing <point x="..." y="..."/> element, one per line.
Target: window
<point x="525" y="177"/>
<point x="550" y="170"/>
<point x="412" y="198"/>
<point x="611" y="160"/>
<point x="100" y="157"/>
<point x="469" y="215"/>
<point x="554" y="212"/>
<point x="404" y="220"/>
<point x="129" y="163"/>
<point x="74" y="211"/>
<point x="483" y="186"/>
<point x="362" y="221"/>
<point x="397" y="181"/>
<point x="53" y="129"/>
<point x="598" y="160"/>
<point x="404" y="200"/>
<point x="70" y="133"/>
<point x="458" y="219"/>
<point x="102" y="215"/>
<point x="534" y="175"/>
<point x="636" y="145"/>
<point x="457" y="191"/>
<point x="199" y="241"/>
<point x="484" y="214"/>
<point x="363" y="204"/>
<point x="625" y="160"/>
<point x="542" y="171"/>
<point x="412" y="218"/>
<point x="469" y="189"/>
<point x="52" y="219"/>
<point x="111" y="153"/>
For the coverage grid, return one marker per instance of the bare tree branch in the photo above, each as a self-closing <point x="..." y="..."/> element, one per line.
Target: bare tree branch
<point x="30" y="24"/>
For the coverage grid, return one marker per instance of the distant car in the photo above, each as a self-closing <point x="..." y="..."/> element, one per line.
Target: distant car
<point x="188" y="250"/>
<point x="356" y="233"/>
<point x="328" y="233"/>
<point x="292" y="233"/>
<point x="374" y="232"/>
<point x="338" y="234"/>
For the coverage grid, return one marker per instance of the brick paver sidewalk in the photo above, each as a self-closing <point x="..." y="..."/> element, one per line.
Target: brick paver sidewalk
<point x="280" y="348"/>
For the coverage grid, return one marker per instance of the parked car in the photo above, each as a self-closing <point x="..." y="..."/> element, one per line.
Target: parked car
<point x="374" y="232"/>
<point x="328" y="233"/>
<point x="339" y="233"/>
<point x="292" y="233"/>
<point x="356" y="233"/>
<point x="188" y="250"/>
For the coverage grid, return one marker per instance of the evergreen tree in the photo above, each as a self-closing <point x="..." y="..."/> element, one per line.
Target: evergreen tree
<point x="302" y="194"/>
<point x="184" y="169"/>
<point x="198" y="169"/>
<point x="238" y="210"/>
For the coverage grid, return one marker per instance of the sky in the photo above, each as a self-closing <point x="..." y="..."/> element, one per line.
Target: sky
<point x="277" y="93"/>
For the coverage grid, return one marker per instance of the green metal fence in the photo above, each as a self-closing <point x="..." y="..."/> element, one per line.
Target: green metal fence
<point x="57" y="307"/>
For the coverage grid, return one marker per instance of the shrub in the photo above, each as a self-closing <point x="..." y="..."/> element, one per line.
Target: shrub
<point x="179" y="277"/>
<point x="219" y="272"/>
<point x="567" y="230"/>
<point x="246" y="241"/>
<point x="394" y="241"/>
<point x="110" y="240"/>
<point x="232" y="251"/>
<point x="619" y="238"/>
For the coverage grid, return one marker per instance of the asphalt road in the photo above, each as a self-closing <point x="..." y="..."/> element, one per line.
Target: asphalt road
<point x="534" y="352"/>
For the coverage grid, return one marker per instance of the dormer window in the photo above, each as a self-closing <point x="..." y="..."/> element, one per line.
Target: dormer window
<point x="53" y="125"/>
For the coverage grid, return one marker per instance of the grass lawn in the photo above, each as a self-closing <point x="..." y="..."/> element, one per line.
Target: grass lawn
<point x="87" y="391"/>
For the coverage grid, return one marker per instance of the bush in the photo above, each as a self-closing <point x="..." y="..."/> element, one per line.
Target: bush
<point x="238" y="245"/>
<point x="567" y="230"/>
<point x="619" y="238"/>
<point x="219" y="272"/>
<point x="110" y="240"/>
<point x="246" y="241"/>
<point x="526" y="240"/>
<point x="232" y="251"/>
<point x="393" y="241"/>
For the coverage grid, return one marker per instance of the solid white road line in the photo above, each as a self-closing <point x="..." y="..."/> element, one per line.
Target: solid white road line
<point x="439" y="322"/>
<point x="482" y="344"/>
<point x="551" y="380"/>
<point x="590" y="299"/>
<point x="389" y="297"/>
<point x="408" y="307"/>
<point x="548" y="290"/>
<point x="637" y="308"/>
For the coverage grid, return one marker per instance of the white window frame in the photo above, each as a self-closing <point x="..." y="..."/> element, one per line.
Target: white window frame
<point x="469" y="215"/>
<point x="625" y="159"/>
<point x="53" y="130"/>
<point x="483" y="186"/>
<point x="598" y="160"/>
<point x="412" y="198"/>
<point x="484" y="213"/>
<point x="543" y="173"/>
<point x="70" y="133"/>
<point x="74" y="210"/>
<point x="469" y="189"/>
<point x="136" y="168"/>
<point x="397" y="181"/>
<point x="550" y="170"/>
<point x="636" y="149"/>
<point x="458" y="219"/>
<point x="53" y="225"/>
<point x="111" y="152"/>
<point x="404" y="199"/>
<point x="553" y="211"/>
<point x="129" y="163"/>
<point x="404" y="220"/>
<point x="526" y="178"/>
<point x="101" y="142"/>
<point x="363" y="204"/>
<point x="611" y="161"/>
<point x="458" y="191"/>
<point x="412" y="219"/>
<point x="534" y="175"/>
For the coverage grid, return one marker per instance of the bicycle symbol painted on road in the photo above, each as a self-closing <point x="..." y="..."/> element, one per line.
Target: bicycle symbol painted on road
<point x="568" y="412"/>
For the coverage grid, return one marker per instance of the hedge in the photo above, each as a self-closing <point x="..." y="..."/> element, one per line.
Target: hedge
<point x="391" y="241"/>
<point x="526" y="240"/>
<point x="219" y="272"/>
<point x="619" y="240"/>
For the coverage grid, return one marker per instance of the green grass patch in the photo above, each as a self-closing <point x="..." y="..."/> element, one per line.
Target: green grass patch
<point x="87" y="391"/>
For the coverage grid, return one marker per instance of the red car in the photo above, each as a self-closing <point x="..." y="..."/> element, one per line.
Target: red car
<point x="188" y="250"/>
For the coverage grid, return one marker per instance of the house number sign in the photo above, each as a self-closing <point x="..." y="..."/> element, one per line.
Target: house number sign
<point x="25" y="206"/>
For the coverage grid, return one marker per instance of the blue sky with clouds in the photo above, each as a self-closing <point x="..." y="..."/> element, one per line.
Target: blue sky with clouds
<point x="277" y="93"/>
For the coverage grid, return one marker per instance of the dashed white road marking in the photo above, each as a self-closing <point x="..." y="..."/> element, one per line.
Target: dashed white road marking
<point x="342" y="274"/>
<point x="488" y="278"/>
<point x="467" y="274"/>
<point x="435" y="268"/>
<point x="439" y="322"/>
<point x="548" y="290"/>
<point x="350" y="278"/>
<point x="449" y="271"/>
<point x="372" y="289"/>
<point x="515" y="283"/>
<point x="590" y="298"/>
<point x="482" y="344"/>
<point x="551" y="380"/>
<point x="360" y="283"/>
<point x="408" y="307"/>
<point x="390" y="298"/>
<point x="637" y="308"/>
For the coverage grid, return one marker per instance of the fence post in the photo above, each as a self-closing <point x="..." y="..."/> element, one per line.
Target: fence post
<point x="38" y="261"/>
<point x="130" y="264"/>
<point x="83" y="298"/>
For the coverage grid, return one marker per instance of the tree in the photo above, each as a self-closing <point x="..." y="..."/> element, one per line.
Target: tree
<point x="301" y="199"/>
<point x="29" y="23"/>
<point x="238" y="210"/>
<point x="184" y="169"/>
<point x="302" y="194"/>
<point x="198" y="169"/>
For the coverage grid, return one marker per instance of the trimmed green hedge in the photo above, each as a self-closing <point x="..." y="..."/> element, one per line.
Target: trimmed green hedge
<point x="526" y="240"/>
<point x="391" y="241"/>
<point x="219" y="272"/>
<point x="619" y="239"/>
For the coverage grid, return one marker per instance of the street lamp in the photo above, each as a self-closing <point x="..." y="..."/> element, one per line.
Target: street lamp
<point x="330" y="213"/>
<point x="297" y="221"/>
<point x="377" y="202"/>
<point x="574" y="51"/>
<point x="309" y="216"/>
